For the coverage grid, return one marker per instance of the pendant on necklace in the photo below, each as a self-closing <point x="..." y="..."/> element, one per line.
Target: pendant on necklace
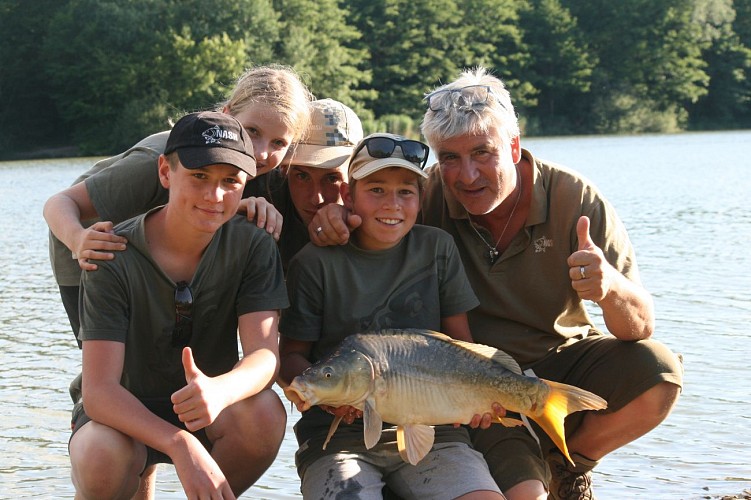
<point x="493" y="254"/>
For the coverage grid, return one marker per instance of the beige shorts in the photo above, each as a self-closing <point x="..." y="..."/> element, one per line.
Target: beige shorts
<point x="450" y="470"/>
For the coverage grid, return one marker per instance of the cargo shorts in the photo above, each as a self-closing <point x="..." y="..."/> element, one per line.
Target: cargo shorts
<point x="616" y="370"/>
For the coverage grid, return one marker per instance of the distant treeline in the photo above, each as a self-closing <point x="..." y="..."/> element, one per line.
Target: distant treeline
<point x="101" y="74"/>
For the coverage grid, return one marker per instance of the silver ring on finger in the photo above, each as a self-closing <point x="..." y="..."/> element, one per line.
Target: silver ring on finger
<point x="581" y="273"/>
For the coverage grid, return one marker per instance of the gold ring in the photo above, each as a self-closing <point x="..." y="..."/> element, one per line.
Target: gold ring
<point x="581" y="272"/>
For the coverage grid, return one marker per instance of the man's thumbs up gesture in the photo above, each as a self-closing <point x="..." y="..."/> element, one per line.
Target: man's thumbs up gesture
<point x="590" y="273"/>
<point x="196" y="404"/>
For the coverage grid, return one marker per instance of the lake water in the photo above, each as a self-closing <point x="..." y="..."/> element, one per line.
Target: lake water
<point x="685" y="200"/>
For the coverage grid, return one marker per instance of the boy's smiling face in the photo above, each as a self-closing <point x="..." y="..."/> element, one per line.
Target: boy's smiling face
<point x="388" y="202"/>
<point x="205" y="197"/>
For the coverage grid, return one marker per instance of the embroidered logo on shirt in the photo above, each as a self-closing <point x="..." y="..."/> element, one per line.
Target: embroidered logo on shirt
<point x="542" y="243"/>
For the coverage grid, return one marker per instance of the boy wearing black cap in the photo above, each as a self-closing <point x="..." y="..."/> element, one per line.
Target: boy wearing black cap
<point x="167" y="311"/>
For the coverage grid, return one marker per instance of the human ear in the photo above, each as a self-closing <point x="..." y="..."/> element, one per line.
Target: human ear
<point x="347" y="195"/>
<point x="164" y="171"/>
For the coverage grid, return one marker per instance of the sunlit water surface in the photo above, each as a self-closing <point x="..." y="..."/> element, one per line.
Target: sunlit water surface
<point x="685" y="200"/>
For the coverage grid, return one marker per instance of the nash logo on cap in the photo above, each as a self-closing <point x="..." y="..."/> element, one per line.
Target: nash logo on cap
<point x="214" y="135"/>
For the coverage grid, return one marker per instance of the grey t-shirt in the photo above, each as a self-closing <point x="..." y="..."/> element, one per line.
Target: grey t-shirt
<point x="337" y="291"/>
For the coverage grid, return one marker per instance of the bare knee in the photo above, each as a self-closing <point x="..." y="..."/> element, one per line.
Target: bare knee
<point x="246" y="439"/>
<point x="105" y="463"/>
<point x="656" y="403"/>
<point x="527" y="490"/>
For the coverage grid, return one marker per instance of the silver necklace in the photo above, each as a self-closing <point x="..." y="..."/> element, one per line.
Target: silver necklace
<point x="493" y="252"/>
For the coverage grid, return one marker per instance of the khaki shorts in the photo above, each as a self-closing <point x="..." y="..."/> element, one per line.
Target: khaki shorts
<point x="615" y="370"/>
<point x="450" y="470"/>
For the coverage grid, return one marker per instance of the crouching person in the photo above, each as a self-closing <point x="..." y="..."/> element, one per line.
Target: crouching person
<point x="159" y="325"/>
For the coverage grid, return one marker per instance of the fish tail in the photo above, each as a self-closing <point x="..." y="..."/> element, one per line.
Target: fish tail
<point x="563" y="400"/>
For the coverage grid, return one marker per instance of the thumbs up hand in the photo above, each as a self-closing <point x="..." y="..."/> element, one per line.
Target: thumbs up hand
<point x="590" y="273"/>
<point x="198" y="403"/>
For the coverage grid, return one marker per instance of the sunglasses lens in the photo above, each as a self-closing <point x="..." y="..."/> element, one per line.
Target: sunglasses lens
<point x="183" y="329"/>
<point x="462" y="98"/>
<point x="439" y="101"/>
<point x="381" y="147"/>
<point x="384" y="147"/>
<point x="414" y="151"/>
<point x="475" y="94"/>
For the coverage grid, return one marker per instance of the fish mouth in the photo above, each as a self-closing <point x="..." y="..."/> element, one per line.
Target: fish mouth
<point x="297" y="396"/>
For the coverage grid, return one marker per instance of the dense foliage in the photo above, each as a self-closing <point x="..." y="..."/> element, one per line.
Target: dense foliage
<point x="101" y="74"/>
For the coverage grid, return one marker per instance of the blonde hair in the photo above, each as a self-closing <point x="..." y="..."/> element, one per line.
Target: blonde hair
<point x="498" y="112"/>
<point x="278" y="86"/>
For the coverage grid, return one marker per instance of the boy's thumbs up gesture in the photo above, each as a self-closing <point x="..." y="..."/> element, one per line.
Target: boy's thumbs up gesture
<point x="193" y="403"/>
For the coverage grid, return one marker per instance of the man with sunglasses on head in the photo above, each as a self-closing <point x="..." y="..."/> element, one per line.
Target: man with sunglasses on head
<point x="538" y="241"/>
<point x="159" y="327"/>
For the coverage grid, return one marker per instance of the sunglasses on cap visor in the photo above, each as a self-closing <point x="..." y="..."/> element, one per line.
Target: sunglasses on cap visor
<point x="383" y="147"/>
<point x="469" y="97"/>
<point x="183" y="330"/>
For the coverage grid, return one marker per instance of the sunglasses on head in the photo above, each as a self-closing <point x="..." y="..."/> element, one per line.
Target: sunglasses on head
<point x="469" y="97"/>
<point x="383" y="147"/>
<point x="183" y="330"/>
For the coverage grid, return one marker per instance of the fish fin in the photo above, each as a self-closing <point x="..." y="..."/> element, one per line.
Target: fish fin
<point x="373" y="424"/>
<point x="563" y="400"/>
<point x="414" y="442"/>
<point x="482" y="350"/>
<point x="508" y="421"/>
<point x="334" y="425"/>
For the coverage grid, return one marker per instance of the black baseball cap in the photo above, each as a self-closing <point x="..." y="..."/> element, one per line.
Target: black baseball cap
<point x="210" y="137"/>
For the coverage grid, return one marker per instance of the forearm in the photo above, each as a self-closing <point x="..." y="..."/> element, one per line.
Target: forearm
<point x="117" y="408"/>
<point x="63" y="217"/>
<point x="628" y="310"/>
<point x="292" y="365"/>
<point x="251" y="375"/>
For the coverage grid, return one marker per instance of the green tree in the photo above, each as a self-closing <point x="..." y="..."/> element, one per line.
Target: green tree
<point x="494" y="38"/>
<point x="319" y="43"/>
<point x="729" y="68"/>
<point x="560" y="70"/>
<point x="650" y="62"/>
<point x="413" y="45"/>
<point x="28" y="117"/>
<point x="122" y="70"/>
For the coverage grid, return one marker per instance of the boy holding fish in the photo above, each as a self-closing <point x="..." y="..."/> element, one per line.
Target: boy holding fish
<point x="392" y="274"/>
<point x="538" y="241"/>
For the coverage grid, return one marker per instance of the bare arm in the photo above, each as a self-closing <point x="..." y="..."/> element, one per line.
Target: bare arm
<point x="457" y="327"/>
<point x="294" y="359"/>
<point x="627" y="308"/>
<point x="109" y="403"/>
<point x="200" y="402"/>
<point x="64" y="212"/>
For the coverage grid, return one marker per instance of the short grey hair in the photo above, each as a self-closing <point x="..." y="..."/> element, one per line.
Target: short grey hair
<point x="497" y="113"/>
